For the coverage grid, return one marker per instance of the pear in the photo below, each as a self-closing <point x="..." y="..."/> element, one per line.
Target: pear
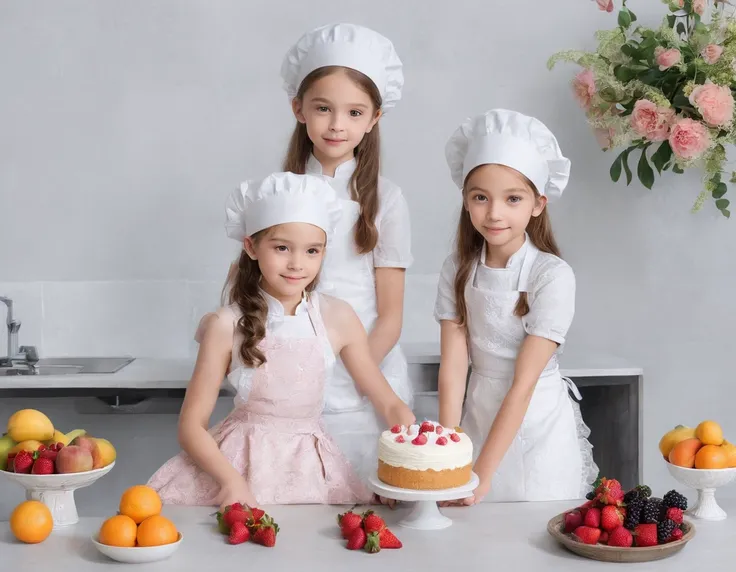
<point x="6" y="444"/>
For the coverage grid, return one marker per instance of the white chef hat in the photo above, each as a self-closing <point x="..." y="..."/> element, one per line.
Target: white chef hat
<point x="349" y="46"/>
<point x="278" y="199"/>
<point x="512" y="139"/>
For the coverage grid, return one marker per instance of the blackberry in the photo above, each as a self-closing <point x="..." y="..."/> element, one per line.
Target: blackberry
<point x="654" y="511"/>
<point x="631" y="495"/>
<point x="675" y="499"/>
<point x="665" y="529"/>
<point x="644" y="491"/>
<point x="590" y="495"/>
<point x="633" y="513"/>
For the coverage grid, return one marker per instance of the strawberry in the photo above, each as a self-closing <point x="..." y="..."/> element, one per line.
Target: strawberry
<point x="265" y="531"/>
<point x="604" y="537"/>
<point x="258" y="514"/>
<point x="420" y="439"/>
<point x="611" y="518"/>
<point x="610" y="492"/>
<point x="439" y="429"/>
<point x="620" y="537"/>
<point x="400" y="439"/>
<point x="23" y="462"/>
<point x="356" y="540"/>
<point x="9" y="465"/>
<point x="239" y="533"/>
<point x="372" y="522"/>
<point x="645" y="535"/>
<point x="237" y="506"/>
<point x="589" y="535"/>
<point x="348" y="522"/>
<point x="49" y="453"/>
<point x="585" y="507"/>
<point x="674" y="513"/>
<point x="441" y="441"/>
<point x="377" y="541"/>
<point x="43" y="466"/>
<point x="573" y="519"/>
<point x="426" y="427"/>
<point x="455" y="437"/>
<point x="59" y="447"/>
<point x="592" y="518"/>
<point x="677" y="534"/>
<point x="230" y="517"/>
<point x="396" y="429"/>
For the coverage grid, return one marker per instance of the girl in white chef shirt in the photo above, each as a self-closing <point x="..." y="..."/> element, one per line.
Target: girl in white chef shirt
<point x="340" y="79"/>
<point x="506" y="300"/>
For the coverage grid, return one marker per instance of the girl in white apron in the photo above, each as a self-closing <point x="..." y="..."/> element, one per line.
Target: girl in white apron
<point x="340" y="79"/>
<point x="505" y="302"/>
<point x="276" y="340"/>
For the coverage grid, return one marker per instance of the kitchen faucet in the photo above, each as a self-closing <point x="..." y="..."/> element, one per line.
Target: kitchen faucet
<point x="27" y="354"/>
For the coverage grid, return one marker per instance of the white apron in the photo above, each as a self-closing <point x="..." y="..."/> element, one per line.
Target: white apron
<point x="349" y="417"/>
<point x="545" y="459"/>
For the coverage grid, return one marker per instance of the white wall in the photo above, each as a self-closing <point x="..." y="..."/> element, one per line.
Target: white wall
<point x="125" y="125"/>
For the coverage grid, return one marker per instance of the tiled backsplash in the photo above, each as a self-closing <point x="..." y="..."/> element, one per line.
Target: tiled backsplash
<point x="150" y="318"/>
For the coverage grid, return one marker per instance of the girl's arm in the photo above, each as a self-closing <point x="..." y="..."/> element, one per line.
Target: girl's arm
<point x="352" y="345"/>
<point x="390" y="306"/>
<point x="199" y="402"/>
<point x="453" y="372"/>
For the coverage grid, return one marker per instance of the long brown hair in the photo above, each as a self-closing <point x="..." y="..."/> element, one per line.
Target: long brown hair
<point x="243" y="288"/>
<point x="364" y="181"/>
<point x="470" y="243"/>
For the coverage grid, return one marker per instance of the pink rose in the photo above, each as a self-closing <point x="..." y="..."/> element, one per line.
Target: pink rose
<point x="604" y="137"/>
<point x="666" y="58"/>
<point x="714" y="102"/>
<point x="699" y="6"/>
<point x="583" y="86"/>
<point x="711" y="53"/>
<point x="650" y="121"/>
<point x="689" y="138"/>
<point x="605" y="5"/>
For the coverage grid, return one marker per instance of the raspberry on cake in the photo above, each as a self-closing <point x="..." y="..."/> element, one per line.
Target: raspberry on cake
<point x="425" y="457"/>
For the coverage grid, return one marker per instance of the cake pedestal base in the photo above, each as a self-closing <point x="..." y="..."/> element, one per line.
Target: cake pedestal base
<point x="425" y="515"/>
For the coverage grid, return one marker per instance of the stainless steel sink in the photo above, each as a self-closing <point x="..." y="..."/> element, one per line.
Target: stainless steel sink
<point x="68" y="365"/>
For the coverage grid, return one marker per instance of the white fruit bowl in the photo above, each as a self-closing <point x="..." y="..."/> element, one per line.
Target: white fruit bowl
<point x="57" y="491"/>
<point x="138" y="554"/>
<point x="705" y="481"/>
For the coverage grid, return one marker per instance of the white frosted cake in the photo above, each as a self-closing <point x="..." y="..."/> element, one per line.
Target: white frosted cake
<point x="425" y="457"/>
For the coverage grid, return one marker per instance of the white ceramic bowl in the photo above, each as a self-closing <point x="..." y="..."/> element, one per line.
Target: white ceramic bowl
<point x="705" y="481"/>
<point x="57" y="491"/>
<point x="139" y="554"/>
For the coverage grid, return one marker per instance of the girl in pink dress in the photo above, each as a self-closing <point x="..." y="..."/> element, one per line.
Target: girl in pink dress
<point x="276" y="342"/>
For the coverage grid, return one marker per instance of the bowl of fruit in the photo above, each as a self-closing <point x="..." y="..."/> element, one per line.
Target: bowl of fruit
<point x="139" y="532"/>
<point x="613" y="526"/>
<point x="701" y="459"/>
<point x="50" y="464"/>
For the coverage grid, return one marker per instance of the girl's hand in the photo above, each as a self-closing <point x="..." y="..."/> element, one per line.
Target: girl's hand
<point x="236" y="490"/>
<point x="400" y="414"/>
<point x="480" y="492"/>
<point x="390" y="503"/>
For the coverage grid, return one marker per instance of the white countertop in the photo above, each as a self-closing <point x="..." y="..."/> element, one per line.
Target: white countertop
<point x="500" y="537"/>
<point x="153" y="373"/>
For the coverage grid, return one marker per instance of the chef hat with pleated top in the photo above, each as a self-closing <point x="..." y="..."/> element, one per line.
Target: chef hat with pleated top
<point x="350" y="46"/>
<point x="512" y="139"/>
<point x="278" y="199"/>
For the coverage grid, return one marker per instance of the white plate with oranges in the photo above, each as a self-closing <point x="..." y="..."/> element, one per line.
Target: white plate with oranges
<point x="138" y="533"/>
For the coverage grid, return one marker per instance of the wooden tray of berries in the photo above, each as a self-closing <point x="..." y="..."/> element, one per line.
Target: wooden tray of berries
<point x="599" y="529"/>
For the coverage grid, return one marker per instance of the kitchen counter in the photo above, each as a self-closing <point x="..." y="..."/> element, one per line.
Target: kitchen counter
<point x="502" y="537"/>
<point x="152" y="373"/>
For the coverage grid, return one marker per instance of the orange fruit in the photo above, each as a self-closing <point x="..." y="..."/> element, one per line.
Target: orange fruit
<point x="157" y="530"/>
<point x="730" y="450"/>
<point x="140" y="502"/>
<point x="709" y="433"/>
<point x="119" y="530"/>
<point x="31" y="522"/>
<point x="711" y="457"/>
<point x="683" y="454"/>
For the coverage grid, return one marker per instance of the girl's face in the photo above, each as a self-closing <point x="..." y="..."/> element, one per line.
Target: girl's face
<point x="337" y="113"/>
<point x="289" y="256"/>
<point x="501" y="203"/>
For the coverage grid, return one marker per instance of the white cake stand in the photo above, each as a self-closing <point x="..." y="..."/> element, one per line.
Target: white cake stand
<point x="426" y="514"/>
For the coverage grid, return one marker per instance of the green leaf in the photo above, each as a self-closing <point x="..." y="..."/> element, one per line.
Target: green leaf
<point x="662" y="156"/>
<point x="720" y="190"/>
<point x="624" y="18"/>
<point x="722" y="204"/>
<point x="733" y="177"/>
<point x="671" y="20"/>
<point x="631" y="51"/>
<point x="726" y="213"/>
<point x="644" y="170"/>
<point x="633" y="16"/>
<point x="608" y="94"/>
<point x="625" y="163"/>
<point x="615" y="170"/>
<point x="624" y="74"/>
<point x="677" y="169"/>
<point x="680" y="100"/>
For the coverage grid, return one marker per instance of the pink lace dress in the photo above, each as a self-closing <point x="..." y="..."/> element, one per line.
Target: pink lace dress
<point x="274" y="437"/>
